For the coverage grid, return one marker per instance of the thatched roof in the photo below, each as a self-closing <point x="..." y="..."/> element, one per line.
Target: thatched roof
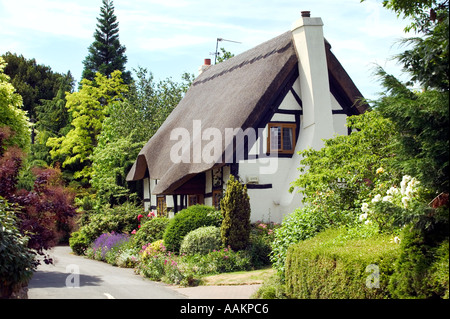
<point x="236" y="93"/>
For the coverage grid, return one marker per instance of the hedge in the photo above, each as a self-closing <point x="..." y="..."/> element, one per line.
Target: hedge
<point x="333" y="266"/>
<point x="188" y="220"/>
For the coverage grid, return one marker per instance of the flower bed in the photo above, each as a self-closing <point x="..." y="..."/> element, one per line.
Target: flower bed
<point x="153" y="259"/>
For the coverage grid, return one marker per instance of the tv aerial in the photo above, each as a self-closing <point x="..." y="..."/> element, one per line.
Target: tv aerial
<point x="216" y="54"/>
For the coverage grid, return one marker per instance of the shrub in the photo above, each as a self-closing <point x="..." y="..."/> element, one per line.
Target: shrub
<point x="262" y="236"/>
<point x="258" y="251"/>
<point x="421" y="270"/>
<point x="217" y="261"/>
<point x="159" y="264"/>
<point x="118" y="219"/>
<point x="152" y="249"/>
<point x="334" y="266"/>
<point x="201" y="241"/>
<point x="17" y="261"/>
<point x="126" y="258"/>
<point x="302" y="224"/>
<point x="78" y="242"/>
<point x="150" y="231"/>
<point x="105" y="247"/>
<point x="186" y="221"/>
<point x="235" y="205"/>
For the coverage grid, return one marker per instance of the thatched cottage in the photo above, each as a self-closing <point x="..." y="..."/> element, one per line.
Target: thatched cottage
<point x="249" y="116"/>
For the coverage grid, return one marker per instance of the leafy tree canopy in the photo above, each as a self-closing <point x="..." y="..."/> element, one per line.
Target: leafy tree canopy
<point x="129" y="125"/>
<point x="88" y="110"/>
<point x="11" y="113"/>
<point x="34" y="82"/>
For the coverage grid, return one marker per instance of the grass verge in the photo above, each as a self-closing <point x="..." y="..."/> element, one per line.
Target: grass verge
<point x="238" y="278"/>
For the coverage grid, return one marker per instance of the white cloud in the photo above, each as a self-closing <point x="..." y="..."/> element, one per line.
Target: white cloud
<point x="49" y="17"/>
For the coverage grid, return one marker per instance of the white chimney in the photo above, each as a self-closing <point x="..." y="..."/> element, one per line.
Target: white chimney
<point x="206" y="64"/>
<point x="314" y="84"/>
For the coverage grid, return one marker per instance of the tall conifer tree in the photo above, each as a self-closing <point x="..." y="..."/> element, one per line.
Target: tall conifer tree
<point x="106" y="54"/>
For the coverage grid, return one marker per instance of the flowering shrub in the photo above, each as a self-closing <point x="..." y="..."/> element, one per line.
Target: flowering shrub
<point x="150" y="231"/>
<point x="218" y="261"/>
<point x="142" y="219"/>
<point x="152" y="249"/>
<point x="264" y="229"/>
<point x="106" y="246"/>
<point x="126" y="258"/>
<point x="394" y="207"/>
<point x="157" y="263"/>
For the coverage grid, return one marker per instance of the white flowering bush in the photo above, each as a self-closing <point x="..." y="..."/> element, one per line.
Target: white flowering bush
<point x="394" y="207"/>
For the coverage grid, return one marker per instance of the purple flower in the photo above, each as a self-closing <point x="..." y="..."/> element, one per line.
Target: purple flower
<point x="107" y="241"/>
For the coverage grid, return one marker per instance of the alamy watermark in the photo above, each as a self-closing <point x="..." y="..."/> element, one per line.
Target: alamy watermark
<point x="73" y="279"/>
<point x="207" y="146"/>
<point x="373" y="280"/>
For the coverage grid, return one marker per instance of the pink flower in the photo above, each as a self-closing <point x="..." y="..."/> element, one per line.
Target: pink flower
<point x="139" y="217"/>
<point x="134" y="231"/>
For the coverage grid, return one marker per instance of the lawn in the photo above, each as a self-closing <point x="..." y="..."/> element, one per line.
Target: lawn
<point x="238" y="277"/>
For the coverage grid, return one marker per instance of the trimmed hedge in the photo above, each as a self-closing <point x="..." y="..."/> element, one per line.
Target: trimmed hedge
<point x="332" y="265"/>
<point x="188" y="220"/>
<point x="201" y="241"/>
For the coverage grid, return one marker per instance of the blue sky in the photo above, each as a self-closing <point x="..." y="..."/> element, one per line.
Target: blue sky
<point x="169" y="37"/>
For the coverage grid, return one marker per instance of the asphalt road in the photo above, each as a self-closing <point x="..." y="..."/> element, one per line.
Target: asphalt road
<point x="76" y="277"/>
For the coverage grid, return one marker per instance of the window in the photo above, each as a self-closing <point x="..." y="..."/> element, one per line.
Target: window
<point x="281" y="138"/>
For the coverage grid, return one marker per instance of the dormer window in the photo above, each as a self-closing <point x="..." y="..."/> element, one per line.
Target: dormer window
<point x="281" y="138"/>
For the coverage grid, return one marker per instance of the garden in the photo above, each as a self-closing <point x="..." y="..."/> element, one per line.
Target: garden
<point x="196" y="242"/>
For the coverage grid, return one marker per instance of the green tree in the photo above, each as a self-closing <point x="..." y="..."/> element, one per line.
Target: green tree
<point x="422" y="121"/>
<point x="34" y="82"/>
<point x="106" y="54"/>
<point x="426" y="59"/>
<point x="88" y="110"/>
<point x="224" y="55"/>
<point x="335" y="178"/>
<point x="235" y="206"/>
<point x="129" y="125"/>
<point x="421" y="118"/>
<point x="53" y="120"/>
<point x="11" y="113"/>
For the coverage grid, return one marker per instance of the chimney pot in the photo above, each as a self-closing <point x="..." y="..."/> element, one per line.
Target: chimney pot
<point x="306" y="14"/>
<point x="207" y="62"/>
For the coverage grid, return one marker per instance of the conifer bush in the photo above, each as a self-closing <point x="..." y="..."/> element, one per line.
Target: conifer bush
<point x="235" y="205"/>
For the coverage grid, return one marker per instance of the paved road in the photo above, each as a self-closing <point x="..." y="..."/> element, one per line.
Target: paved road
<point x="75" y="277"/>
